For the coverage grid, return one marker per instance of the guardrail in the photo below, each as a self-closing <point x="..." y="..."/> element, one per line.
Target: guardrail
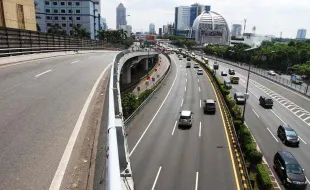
<point x="302" y="89"/>
<point x="119" y="175"/>
<point x="157" y="85"/>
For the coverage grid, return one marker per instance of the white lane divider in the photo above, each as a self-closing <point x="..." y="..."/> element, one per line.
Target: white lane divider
<point x="196" y="184"/>
<point x="175" y="124"/>
<point x="278" y="116"/>
<point x="199" y="89"/>
<point x="75" y="61"/>
<point x="272" y="134"/>
<point x="302" y="139"/>
<point x="307" y="180"/>
<point x="43" y="73"/>
<point x="185" y="80"/>
<point x="200" y="103"/>
<point x="182" y="102"/>
<point x="255" y="113"/>
<point x="198" y="80"/>
<point x="185" y="88"/>
<point x="200" y="129"/>
<point x="156" y="178"/>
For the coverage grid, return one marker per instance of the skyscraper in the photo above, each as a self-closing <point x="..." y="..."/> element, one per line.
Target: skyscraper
<point x="236" y="30"/>
<point x="152" y="28"/>
<point x="120" y="15"/>
<point x="301" y="34"/>
<point x="160" y="31"/>
<point x="182" y="17"/>
<point x="195" y="10"/>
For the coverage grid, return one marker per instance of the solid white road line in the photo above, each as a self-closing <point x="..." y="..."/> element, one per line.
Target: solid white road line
<point x="182" y="102"/>
<point x="278" y="117"/>
<point x="155" y="113"/>
<point x="200" y="129"/>
<point x="155" y="181"/>
<point x="58" y="177"/>
<point x="198" y="80"/>
<point x="272" y="134"/>
<point x="185" y="88"/>
<point x="75" y="61"/>
<point x="302" y="140"/>
<point x="200" y="103"/>
<point x="185" y="80"/>
<point x="255" y="113"/>
<point x="196" y="184"/>
<point x="43" y="73"/>
<point x="175" y="124"/>
<point x="199" y="89"/>
<point x="307" y="180"/>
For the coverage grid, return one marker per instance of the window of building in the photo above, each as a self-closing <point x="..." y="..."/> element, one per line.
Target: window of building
<point x="78" y="18"/>
<point x="64" y="25"/>
<point x="48" y="18"/>
<point x="56" y="18"/>
<point x="55" y="3"/>
<point x="78" y="11"/>
<point x="47" y="3"/>
<point x="63" y="11"/>
<point x="55" y="10"/>
<point x="70" y="18"/>
<point x="63" y="18"/>
<point x="70" y="25"/>
<point x="38" y="17"/>
<point x="77" y="3"/>
<point x="20" y="16"/>
<point x="69" y="11"/>
<point x="62" y="3"/>
<point x="49" y="24"/>
<point x="69" y="3"/>
<point x="47" y="10"/>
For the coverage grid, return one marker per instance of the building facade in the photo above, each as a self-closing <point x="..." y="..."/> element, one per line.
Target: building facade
<point x="18" y="14"/>
<point x="152" y="28"/>
<point x="66" y="13"/>
<point x="160" y="31"/>
<point x="165" y="29"/>
<point x="196" y="10"/>
<point x="301" y="34"/>
<point x="120" y="16"/>
<point x="236" y="30"/>
<point x="126" y="28"/>
<point x="182" y="17"/>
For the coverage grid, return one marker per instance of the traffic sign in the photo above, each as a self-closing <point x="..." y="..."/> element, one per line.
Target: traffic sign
<point x="153" y="79"/>
<point x="155" y="69"/>
<point x="148" y="78"/>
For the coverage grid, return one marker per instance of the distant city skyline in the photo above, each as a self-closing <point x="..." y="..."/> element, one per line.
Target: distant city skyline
<point x="301" y="34"/>
<point x="120" y="16"/>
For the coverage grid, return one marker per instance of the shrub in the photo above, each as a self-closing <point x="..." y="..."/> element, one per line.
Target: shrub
<point x="237" y="125"/>
<point x="129" y="104"/>
<point x="255" y="157"/>
<point x="249" y="148"/>
<point x="263" y="177"/>
<point x="236" y="112"/>
<point x="245" y="135"/>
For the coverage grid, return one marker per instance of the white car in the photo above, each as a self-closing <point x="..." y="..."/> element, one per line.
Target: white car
<point x="272" y="73"/>
<point x="199" y="72"/>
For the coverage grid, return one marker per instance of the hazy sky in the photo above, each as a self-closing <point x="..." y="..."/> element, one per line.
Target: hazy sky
<point x="269" y="16"/>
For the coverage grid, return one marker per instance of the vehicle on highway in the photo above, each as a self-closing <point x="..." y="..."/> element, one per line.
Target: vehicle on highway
<point x="231" y="71"/>
<point x="223" y="73"/>
<point x="196" y="65"/>
<point x="193" y="54"/>
<point x="215" y="65"/>
<point x="239" y="97"/>
<point x="188" y="59"/>
<point x="288" y="135"/>
<point x="296" y="80"/>
<point x="289" y="170"/>
<point x="186" y="118"/>
<point x="227" y="84"/>
<point x="184" y="56"/>
<point x="209" y="106"/>
<point x="305" y="77"/>
<point x="188" y="65"/>
<point x="265" y="102"/>
<point x="271" y="72"/>
<point x="234" y="80"/>
<point x="199" y="72"/>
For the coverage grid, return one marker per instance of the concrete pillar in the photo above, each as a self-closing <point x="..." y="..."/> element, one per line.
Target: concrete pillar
<point x="126" y="75"/>
<point x="146" y="64"/>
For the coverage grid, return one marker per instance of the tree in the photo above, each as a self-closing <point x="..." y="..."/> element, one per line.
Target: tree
<point x="78" y="31"/>
<point x="56" y="30"/>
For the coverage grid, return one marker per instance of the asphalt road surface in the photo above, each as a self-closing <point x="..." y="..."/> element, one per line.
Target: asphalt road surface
<point x="40" y="103"/>
<point x="289" y="108"/>
<point x="164" y="156"/>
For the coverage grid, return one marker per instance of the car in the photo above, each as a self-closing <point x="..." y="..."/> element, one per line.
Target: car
<point x="188" y="59"/>
<point x="231" y="71"/>
<point x="227" y="84"/>
<point x="288" y="135"/>
<point x="209" y="106"/>
<point x="234" y="80"/>
<point x="196" y="65"/>
<point x="223" y="73"/>
<point x="188" y="65"/>
<point x="186" y="118"/>
<point x="199" y="72"/>
<point x="215" y="66"/>
<point x="180" y="58"/>
<point x="271" y="72"/>
<point x="266" y="102"/>
<point x="239" y="97"/>
<point x="289" y="170"/>
<point x="305" y="77"/>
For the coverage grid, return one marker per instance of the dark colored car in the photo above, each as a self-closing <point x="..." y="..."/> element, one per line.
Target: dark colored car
<point x="184" y="56"/>
<point x="209" y="106"/>
<point x="215" y="66"/>
<point x="289" y="170"/>
<point x="231" y="71"/>
<point x="288" y="135"/>
<point x="265" y="102"/>
<point x="223" y="73"/>
<point x="188" y="59"/>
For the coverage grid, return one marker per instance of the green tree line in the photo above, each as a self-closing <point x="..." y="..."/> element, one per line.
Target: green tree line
<point x="182" y="41"/>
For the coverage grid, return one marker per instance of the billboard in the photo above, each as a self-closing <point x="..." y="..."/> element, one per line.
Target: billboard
<point x="215" y="33"/>
<point x="150" y="38"/>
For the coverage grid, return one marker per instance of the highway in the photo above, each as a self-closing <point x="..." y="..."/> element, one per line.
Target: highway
<point x="289" y="108"/>
<point x="41" y="101"/>
<point x="164" y="156"/>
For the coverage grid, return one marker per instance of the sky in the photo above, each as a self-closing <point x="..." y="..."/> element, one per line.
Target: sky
<point x="270" y="17"/>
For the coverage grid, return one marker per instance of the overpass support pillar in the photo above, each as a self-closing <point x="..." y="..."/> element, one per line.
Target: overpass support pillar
<point x="146" y="64"/>
<point x="126" y="76"/>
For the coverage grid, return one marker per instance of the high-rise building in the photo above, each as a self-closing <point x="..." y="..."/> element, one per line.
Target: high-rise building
<point x="182" y="17"/>
<point x="301" y="34"/>
<point x="83" y="13"/>
<point x="160" y="31"/>
<point x="236" y="30"/>
<point x="152" y="28"/>
<point x="165" y="29"/>
<point x="195" y="10"/>
<point x="120" y="16"/>
<point x="18" y="14"/>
